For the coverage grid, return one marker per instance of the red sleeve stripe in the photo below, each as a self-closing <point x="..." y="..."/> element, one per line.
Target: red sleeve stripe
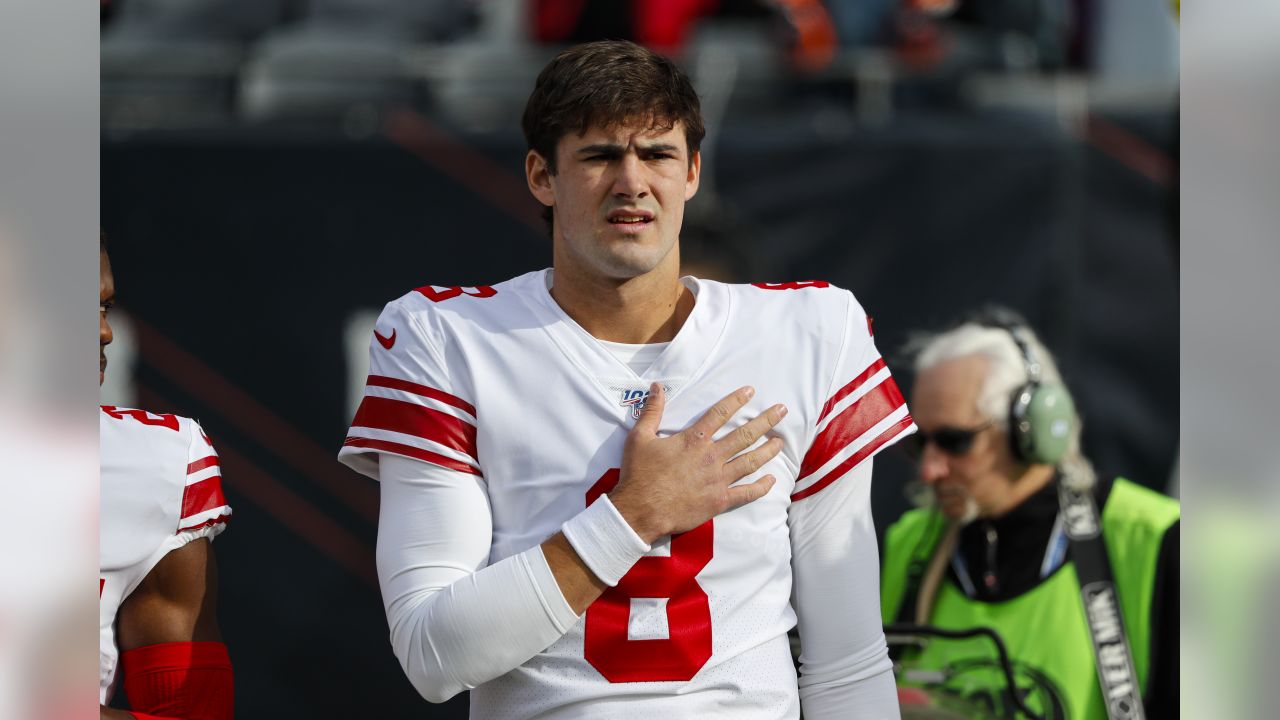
<point x="219" y="520"/>
<point x="890" y="433"/>
<point x="202" y="464"/>
<point x="416" y="453"/>
<point x="423" y="390"/>
<point x="848" y="389"/>
<point x="855" y="420"/>
<point x="203" y="496"/>
<point x="420" y="421"/>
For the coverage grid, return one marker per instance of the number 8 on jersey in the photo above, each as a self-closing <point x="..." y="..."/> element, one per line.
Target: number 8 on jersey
<point x="688" y="645"/>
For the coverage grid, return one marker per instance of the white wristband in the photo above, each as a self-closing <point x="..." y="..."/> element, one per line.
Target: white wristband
<point x="604" y="540"/>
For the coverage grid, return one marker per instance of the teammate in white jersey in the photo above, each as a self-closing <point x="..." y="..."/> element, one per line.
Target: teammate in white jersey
<point x="161" y="505"/>
<point x="608" y="491"/>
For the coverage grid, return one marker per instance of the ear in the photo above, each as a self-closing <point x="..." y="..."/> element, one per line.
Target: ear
<point x="538" y="175"/>
<point x="695" y="174"/>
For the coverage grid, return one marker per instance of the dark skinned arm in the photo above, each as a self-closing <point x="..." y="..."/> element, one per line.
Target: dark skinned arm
<point x="175" y="603"/>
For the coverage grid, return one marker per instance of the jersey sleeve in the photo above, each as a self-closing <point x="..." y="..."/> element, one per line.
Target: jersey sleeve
<point x="845" y="669"/>
<point x="410" y="406"/>
<point x="205" y="511"/>
<point x="863" y="411"/>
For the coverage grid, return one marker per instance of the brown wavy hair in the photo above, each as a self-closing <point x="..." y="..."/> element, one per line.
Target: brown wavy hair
<point x="607" y="84"/>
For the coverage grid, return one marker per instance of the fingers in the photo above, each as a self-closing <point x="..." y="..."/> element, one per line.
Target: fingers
<point x="651" y="415"/>
<point x="747" y="463"/>
<point x="746" y="436"/>
<point x="743" y="494"/>
<point x="719" y="414"/>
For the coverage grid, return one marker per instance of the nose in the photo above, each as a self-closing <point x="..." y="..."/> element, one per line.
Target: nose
<point x="105" y="336"/>
<point x="630" y="182"/>
<point x="933" y="465"/>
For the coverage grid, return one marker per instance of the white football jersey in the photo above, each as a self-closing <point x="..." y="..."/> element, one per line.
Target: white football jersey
<point x="500" y="383"/>
<point x="161" y="489"/>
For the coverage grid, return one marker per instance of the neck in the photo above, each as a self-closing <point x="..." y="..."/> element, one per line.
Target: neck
<point x="1032" y="479"/>
<point x="648" y="308"/>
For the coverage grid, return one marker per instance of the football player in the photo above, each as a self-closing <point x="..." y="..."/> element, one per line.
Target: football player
<point x="161" y="506"/>
<point x="609" y="491"/>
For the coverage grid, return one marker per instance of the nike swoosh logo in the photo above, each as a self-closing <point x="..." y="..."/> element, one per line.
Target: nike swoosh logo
<point x="387" y="341"/>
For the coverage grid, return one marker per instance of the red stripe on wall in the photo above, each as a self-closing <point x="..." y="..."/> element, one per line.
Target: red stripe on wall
<point x="311" y="460"/>
<point x="293" y="511"/>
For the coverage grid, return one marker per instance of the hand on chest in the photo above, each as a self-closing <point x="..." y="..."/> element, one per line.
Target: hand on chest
<point x="576" y="431"/>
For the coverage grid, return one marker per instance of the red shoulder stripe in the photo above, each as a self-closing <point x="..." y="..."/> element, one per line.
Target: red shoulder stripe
<point x="853" y="385"/>
<point x="851" y="423"/>
<point x="852" y="461"/>
<point x="423" y="390"/>
<point x="417" y="420"/>
<point x="203" y="496"/>
<point x="447" y="463"/>
<point x="201" y="464"/>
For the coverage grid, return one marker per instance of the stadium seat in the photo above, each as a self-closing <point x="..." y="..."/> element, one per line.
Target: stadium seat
<point x="742" y="60"/>
<point x="483" y="85"/>
<point x="347" y="54"/>
<point x="170" y="62"/>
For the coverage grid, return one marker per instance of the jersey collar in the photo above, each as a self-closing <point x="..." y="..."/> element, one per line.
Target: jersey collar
<point x="683" y="359"/>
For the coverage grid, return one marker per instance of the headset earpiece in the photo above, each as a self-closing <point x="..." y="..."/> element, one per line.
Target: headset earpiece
<point x="1042" y="416"/>
<point x="1041" y="419"/>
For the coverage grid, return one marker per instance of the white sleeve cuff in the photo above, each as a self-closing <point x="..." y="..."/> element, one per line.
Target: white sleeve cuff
<point x="549" y="592"/>
<point x="604" y="541"/>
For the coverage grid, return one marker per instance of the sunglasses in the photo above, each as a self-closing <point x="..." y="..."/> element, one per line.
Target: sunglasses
<point x="952" y="441"/>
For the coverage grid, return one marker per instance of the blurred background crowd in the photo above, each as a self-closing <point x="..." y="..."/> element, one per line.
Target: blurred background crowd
<point x="273" y="171"/>
<point x="200" y="63"/>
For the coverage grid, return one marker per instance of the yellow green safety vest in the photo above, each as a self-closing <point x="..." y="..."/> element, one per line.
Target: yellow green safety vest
<point x="1044" y="629"/>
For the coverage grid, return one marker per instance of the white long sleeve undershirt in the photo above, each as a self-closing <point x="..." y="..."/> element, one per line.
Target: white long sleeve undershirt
<point x="434" y="531"/>
<point x="434" y="536"/>
<point x="845" y="671"/>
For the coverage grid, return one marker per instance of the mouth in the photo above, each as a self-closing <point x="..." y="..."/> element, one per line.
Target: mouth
<point x="950" y="496"/>
<point x="630" y="220"/>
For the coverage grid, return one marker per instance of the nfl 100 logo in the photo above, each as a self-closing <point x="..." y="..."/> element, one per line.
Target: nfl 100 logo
<point x="635" y="400"/>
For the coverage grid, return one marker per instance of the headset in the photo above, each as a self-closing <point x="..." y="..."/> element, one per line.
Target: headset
<point x="1042" y="416"/>
<point x="1042" y="420"/>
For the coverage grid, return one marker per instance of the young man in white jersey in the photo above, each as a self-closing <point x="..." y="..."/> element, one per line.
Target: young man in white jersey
<point x="603" y="484"/>
<point x="161" y="506"/>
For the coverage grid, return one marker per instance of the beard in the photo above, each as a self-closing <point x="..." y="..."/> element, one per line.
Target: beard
<point x="971" y="511"/>
<point x="922" y="495"/>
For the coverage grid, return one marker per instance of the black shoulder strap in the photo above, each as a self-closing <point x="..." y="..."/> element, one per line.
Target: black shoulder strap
<point x="1112" y="656"/>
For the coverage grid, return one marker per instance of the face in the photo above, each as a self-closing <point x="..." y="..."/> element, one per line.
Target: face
<point x="976" y="483"/>
<point x="618" y="198"/>
<point x="106" y="300"/>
